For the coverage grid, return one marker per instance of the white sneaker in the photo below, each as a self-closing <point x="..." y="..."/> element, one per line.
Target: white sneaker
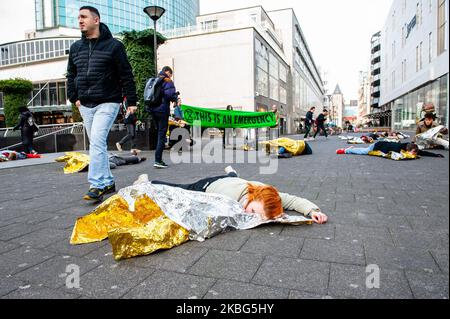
<point x="135" y="152"/>
<point x="119" y="147"/>
<point x="143" y="179"/>
<point x="230" y="169"/>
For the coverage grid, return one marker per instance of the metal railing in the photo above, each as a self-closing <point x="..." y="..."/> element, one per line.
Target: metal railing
<point x="52" y="130"/>
<point x="43" y="129"/>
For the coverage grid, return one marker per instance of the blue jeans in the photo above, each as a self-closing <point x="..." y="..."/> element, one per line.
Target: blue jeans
<point x="360" y="151"/>
<point x="98" y="122"/>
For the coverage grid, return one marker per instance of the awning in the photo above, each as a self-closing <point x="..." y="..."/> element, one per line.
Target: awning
<point x="378" y="115"/>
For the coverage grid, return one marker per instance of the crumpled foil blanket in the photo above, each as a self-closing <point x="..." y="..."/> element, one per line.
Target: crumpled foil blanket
<point x="145" y="218"/>
<point x="75" y="162"/>
<point x="394" y="155"/>
<point x="292" y="146"/>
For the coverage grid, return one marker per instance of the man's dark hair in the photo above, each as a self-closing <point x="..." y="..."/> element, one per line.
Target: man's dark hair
<point x="412" y="147"/>
<point x="91" y="9"/>
<point x="325" y="111"/>
<point x="313" y="108"/>
<point x="229" y="108"/>
<point x="430" y="116"/>
<point x="167" y="69"/>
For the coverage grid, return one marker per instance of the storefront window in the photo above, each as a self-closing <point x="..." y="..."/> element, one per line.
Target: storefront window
<point x="274" y="89"/>
<point x="443" y="100"/>
<point x="262" y="82"/>
<point x="283" y="95"/>
<point x="53" y="94"/>
<point x="62" y="96"/>
<point x="408" y="110"/>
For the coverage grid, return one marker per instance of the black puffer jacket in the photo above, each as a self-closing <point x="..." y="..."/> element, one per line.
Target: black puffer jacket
<point x="99" y="72"/>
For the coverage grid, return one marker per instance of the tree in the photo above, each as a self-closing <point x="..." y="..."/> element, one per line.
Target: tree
<point x="16" y="93"/>
<point x="140" y="50"/>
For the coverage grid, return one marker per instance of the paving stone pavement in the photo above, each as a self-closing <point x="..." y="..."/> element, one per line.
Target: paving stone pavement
<point x="391" y="214"/>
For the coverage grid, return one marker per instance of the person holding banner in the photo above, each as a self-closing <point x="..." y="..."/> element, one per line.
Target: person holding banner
<point x="226" y="132"/>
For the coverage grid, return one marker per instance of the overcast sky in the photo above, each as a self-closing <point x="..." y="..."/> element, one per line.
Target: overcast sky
<point x="338" y="32"/>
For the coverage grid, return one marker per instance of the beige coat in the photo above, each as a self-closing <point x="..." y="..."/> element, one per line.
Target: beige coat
<point x="237" y="189"/>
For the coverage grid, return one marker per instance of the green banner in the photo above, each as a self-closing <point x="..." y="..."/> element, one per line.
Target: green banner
<point x="228" y="119"/>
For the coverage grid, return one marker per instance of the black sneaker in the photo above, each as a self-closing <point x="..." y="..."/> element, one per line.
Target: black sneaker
<point x="160" y="165"/>
<point x="94" y="194"/>
<point x="109" y="189"/>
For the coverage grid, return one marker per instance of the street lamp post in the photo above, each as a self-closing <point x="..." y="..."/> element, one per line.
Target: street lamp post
<point x="155" y="13"/>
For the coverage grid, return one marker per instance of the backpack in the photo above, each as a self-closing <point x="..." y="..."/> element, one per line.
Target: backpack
<point x="32" y="124"/>
<point x="153" y="93"/>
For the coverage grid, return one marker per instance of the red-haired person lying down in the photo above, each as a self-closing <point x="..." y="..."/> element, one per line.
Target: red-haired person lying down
<point x="255" y="197"/>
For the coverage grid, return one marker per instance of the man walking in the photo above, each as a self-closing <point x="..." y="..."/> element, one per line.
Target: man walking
<point x="320" y="121"/>
<point x="309" y="122"/>
<point x="98" y="77"/>
<point x="161" y="114"/>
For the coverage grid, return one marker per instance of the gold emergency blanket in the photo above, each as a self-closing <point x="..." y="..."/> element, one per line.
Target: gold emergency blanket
<point x="145" y="218"/>
<point x="131" y="234"/>
<point x="292" y="146"/>
<point x="394" y="155"/>
<point x="75" y="162"/>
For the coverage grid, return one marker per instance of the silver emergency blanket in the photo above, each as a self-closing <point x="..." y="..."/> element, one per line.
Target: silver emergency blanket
<point x="204" y="215"/>
<point x="432" y="137"/>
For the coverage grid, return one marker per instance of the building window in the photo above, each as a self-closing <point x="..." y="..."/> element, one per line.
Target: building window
<point x="262" y="82"/>
<point x="404" y="71"/>
<point x="283" y="73"/>
<point x="393" y="21"/>
<point x="419" y="64"/>
<point x="393" y="80"/>
<point x="419" y="12"/>
<point x="430" y="47"/>
<point x="393" y="51"/>
<point x="403" y="37"/>
<point x="210" y="25"/>
<point x="441" y="27"/>
<point x="283" y="95"/>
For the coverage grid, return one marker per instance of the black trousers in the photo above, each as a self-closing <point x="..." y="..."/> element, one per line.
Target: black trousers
<point x="199" y="186"/>
<point x="161" y="122"/>
<point x="308" y="129"/>
<point x="319" y="128"/>
<point x="131" y="135"/>
<point x="27" y="139"/>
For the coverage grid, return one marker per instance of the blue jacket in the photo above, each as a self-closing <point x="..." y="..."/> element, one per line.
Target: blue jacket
<point x="169" y="95"/>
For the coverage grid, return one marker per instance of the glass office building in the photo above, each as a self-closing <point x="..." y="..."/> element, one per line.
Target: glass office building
<point x="119" y="15"/>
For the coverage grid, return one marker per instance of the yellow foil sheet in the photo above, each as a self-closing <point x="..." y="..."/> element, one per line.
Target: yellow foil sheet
<point x="292" y="146"/>
<point x="394" y="156"/>
<point x="130" y="233"/>
<point x="160" y="233"/>
<point x="75" y="162"/>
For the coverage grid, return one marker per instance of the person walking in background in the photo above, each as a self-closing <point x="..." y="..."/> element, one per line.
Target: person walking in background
<point x="130" y="123"/>
<point x="27" y="128"/>
<point x="309" y="122"/>
<point x="320" y="122"/>
<point x="98" y="77"/>
<point x="161" y="114"/>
